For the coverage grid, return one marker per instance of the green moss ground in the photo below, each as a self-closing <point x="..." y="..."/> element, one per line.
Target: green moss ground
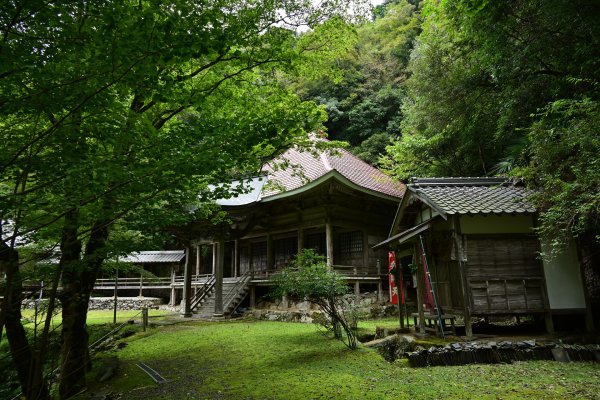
<point x="275" y="360"/>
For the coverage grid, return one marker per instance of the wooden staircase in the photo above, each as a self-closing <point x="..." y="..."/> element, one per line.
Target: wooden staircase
<point x="234" y="291"/>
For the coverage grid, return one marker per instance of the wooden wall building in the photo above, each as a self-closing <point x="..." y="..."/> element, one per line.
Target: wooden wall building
<point x="334" y="203"/>
<point x="483" y="255"/>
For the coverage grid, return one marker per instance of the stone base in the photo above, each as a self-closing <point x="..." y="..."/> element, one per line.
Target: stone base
<point x="107" y="303"/>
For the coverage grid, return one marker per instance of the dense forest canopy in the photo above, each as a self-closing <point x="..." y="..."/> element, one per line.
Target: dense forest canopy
<point x="476" y="88"/>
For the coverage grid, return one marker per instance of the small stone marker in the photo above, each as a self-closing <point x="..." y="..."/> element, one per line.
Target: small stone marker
<point x="560" y="355"/>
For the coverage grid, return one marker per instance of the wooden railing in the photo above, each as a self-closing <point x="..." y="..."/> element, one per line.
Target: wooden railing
<point x="166" y="282"/>
<point x="196" y="279"/>
<point x="240" y="286"/>
<point x="201" y="294"/>
<point x="351" y="270"/>
<point x="132" y="282"/>
<point x="348" y="271"/>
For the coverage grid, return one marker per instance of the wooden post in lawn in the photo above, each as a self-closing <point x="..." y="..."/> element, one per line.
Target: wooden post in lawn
<point x="144" y="318"/>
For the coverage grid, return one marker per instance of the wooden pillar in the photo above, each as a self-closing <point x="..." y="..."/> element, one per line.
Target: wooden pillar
<point x="198" y="259"/>
<point x="220" y="264"/>
<point x="187" y="286"/>
<point x="365" y="251"/>
<point x="379" y="282"/>
<point x="329" y="242"/>
<point x="420" y="289"/>
<point x="173" y="293"/>
<point x="232" y="262"/>
<point x="250" y="262"/>
<point x="214" y="257"/>
<point x="300" y="239"/>
<point x="463" y="277"/>
<point x="236" y="258"/>
<point x="141" y="285"/>
<point x="269" y="252"/>
<point x="252" y="296"/>
<point x="546" y="301"/>
<point x="589" y="317"/>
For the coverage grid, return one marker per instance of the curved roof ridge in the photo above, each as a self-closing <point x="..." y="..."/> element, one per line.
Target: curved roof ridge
<point x="308" y="167"/>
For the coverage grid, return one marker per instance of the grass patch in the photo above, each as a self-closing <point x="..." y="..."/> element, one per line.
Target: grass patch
<point x="275" y="360"/>
<point x="96" y="317"/>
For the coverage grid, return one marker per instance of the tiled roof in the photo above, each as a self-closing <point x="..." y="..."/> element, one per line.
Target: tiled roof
<point x="253" y="188"/>
<point x="312" y="167"/>
<point x="472" y="195"/>
<point x="168" y="256"/>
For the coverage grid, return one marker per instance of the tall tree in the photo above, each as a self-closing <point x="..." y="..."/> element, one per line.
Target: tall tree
<point x="366" y="100"/>
<point x="110" y="107"/>
<point x="505" y="87"/>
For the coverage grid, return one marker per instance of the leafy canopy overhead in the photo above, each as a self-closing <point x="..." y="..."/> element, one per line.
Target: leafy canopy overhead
<point x="116" y="116"/>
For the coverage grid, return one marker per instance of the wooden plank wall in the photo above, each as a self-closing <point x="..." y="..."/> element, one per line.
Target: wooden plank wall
<point x="504" y="275"/>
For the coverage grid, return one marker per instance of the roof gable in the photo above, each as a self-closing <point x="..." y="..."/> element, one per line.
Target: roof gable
<point x="306" y="168"/>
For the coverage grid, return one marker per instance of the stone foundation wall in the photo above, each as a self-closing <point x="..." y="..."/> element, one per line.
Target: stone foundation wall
<point x="107" y="303"/>
<point x="365" y="305"/>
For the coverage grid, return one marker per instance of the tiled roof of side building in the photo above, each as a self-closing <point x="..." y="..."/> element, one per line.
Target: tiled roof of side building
<point x="158" y="256"/>
<point x="473" y="195"/>
<point x="306" y="167"/>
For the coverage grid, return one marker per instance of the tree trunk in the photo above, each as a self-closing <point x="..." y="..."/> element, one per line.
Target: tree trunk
<point x="78" y="282"/>
<point x="33" y="384"/>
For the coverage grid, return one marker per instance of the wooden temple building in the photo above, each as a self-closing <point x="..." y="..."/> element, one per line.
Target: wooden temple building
<point x="331" y="202"/>
<point x="477" y="237"/>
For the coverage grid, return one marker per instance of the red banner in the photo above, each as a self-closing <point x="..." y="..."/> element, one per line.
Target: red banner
<point x="429" y="303"/>
<point x="394" y="289"/>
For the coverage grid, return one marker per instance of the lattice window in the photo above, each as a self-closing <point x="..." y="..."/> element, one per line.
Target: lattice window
<point x="259" y="256"/>
<point x="316" y="241"/>
<point x="351" y="242"/>
<point x="284" y="250"/>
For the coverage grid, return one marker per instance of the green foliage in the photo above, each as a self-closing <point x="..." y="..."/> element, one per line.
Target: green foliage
<point x="564" y="168"/>
<point x="367" y="99"/>
<point x="308" y="277"/>
<point x="373" y="148"/>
